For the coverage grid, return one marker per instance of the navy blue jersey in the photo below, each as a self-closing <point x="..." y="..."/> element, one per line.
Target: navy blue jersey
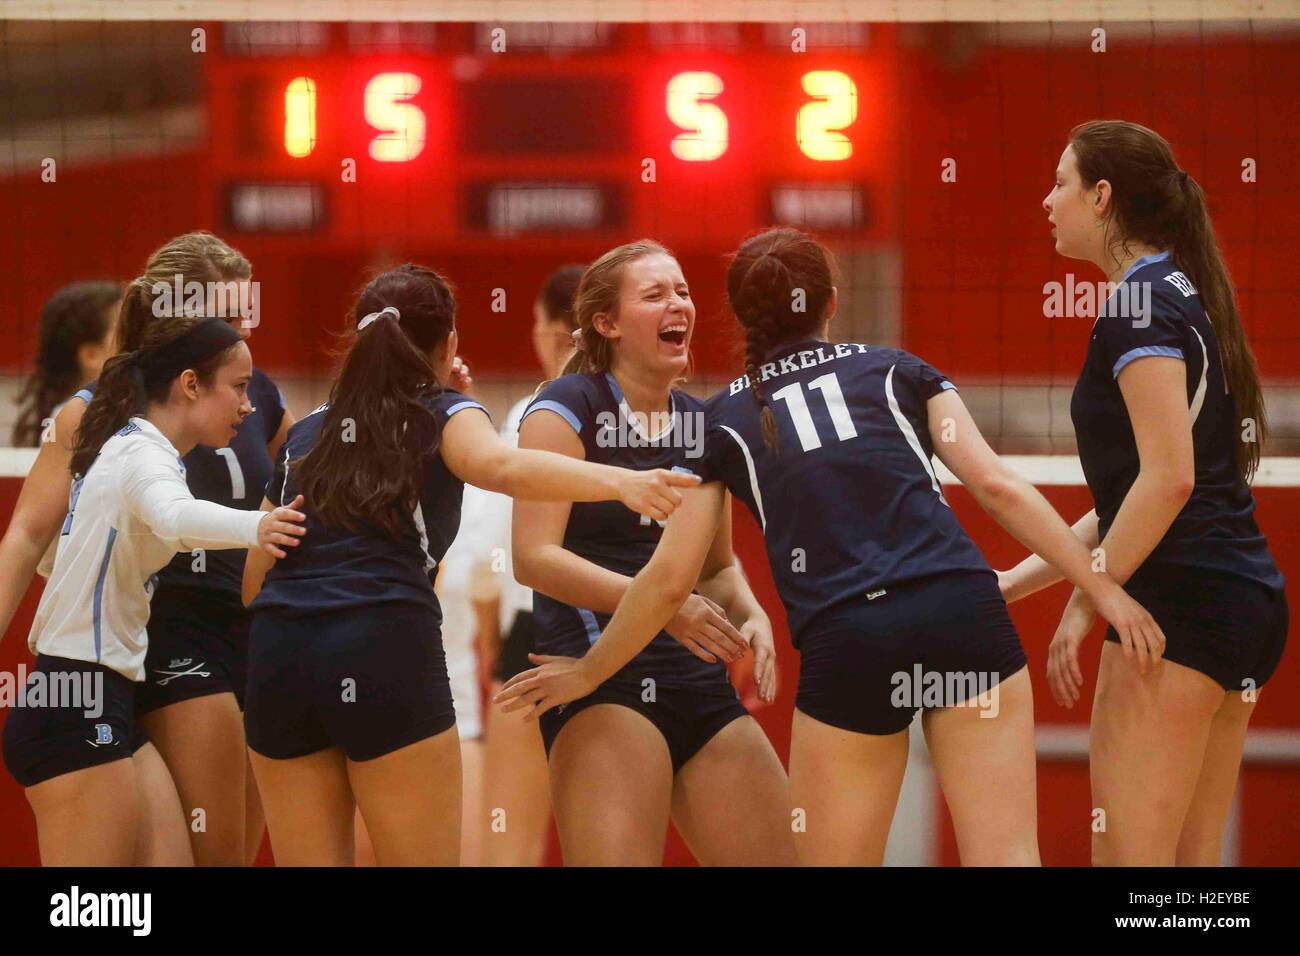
<point x="611" y="535"/>
<point x="849" y="504"/>
<point x="235" y="477"/>
<point x="1157" y="311"/>
<point x="334" y="569"/>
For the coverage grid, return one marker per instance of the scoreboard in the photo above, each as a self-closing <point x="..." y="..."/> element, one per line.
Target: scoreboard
<point x="463" y="132"/>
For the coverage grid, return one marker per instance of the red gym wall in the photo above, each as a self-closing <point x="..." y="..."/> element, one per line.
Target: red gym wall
<point x="975" y="255"/>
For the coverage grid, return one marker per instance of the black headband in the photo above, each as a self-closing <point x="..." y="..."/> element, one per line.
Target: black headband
<point x="203" y="340"/>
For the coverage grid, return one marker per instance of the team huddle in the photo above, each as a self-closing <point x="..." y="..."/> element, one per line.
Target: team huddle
<point x="192" y="519"/>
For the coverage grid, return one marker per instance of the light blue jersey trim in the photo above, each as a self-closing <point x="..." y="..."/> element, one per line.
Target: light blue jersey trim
<point x="99" y="592"/>
<point x="1143" y="352"/>
<point x="1145" y="261"/>
<point x="461" y="406"/>
<point x="589" y="622"/>
<point x="84" y="394"/>
<point x="613" y="385"/>
<point x="945" y="386"/>
<point x="562" y="410"/>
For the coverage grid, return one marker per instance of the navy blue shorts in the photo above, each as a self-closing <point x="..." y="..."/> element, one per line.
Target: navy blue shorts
<point x="367" y="682"/>
<point x="198" y="645"/>
<point x="514" y="649"/>
<point x="687" y="718"/>
<point x="869" y="665"/>
<point x="43" y="741"/>
<point x="1229" y="628"/>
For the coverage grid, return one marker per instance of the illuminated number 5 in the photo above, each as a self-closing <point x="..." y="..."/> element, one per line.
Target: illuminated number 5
<point x="706" y="124"/>
<point x="402" y="122"/>
<point x="236" y="473"/>
<point x="819" y="122"/>
<point x="829" y="386"/>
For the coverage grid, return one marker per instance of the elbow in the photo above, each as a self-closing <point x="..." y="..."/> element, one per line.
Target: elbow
<point x="669" y="581"/>
<point x="525" y="567"/>
<point x="998" y="490"/>
<point x="505" y="474"/>
<point x="1168" y="483"/>
<point x="1176" y="488"/>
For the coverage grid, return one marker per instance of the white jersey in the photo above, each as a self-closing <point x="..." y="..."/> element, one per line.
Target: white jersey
<point x="127" y="517"/>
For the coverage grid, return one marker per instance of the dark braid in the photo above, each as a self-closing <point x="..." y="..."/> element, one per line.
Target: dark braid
<point x="768" y="274"/>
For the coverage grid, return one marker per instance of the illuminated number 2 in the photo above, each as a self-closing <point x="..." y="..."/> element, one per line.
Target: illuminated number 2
<point x="236" y="473"/>
<point x="402" y="122"/>
<point x="819" y="122"/>
<point x="300" y="117"/>
<point x="705" y="123"/>
<point x="829" y="386"/>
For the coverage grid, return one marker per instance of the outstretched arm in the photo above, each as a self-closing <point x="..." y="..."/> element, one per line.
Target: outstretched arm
<point x="653" y="597"/>
<point x="475" y="453"/>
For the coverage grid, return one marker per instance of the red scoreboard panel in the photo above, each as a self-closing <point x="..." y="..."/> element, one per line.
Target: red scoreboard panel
<point x="475" y="132"/>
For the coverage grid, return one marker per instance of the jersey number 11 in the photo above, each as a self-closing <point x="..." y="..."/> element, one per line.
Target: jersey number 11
<point x="804" y="427"/>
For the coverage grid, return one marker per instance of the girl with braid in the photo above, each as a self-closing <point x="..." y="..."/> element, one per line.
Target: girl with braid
<point x="890" y="604"/>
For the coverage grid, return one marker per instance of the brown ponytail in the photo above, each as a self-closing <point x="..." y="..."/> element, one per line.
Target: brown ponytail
<point x="1159" y="204"/>
<point x="377" y="435"/>
<point x="779" y="284"/>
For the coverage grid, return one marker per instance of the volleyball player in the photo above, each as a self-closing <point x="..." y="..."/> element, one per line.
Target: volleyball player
<point x="1169" y="417"/>
<point x="189" y="703"/>
<point x="829" y="447"/>
<point x="195" y="667"/>
<point x="75" y="335"/>
<point x="516" y="807"/>
<point x="29" y="541"/>
<point x="129" y="512"/>
<point x="348" y="698"/>
<point x="665" y="737"/>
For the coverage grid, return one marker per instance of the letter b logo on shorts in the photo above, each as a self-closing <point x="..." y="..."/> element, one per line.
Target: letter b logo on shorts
<point x="103" y="733"/>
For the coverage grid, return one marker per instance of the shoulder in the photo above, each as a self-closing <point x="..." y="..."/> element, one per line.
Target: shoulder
<point x="446" y="402"/>
<point x="306" y="429"/>
<point x="900" y="363"/>
<point x="686" y="402"/>
<point x="583" y="387"/>
<point x="135" y="450"/>
<point x="575" y="398"/>
<point x="1160" y="289"/>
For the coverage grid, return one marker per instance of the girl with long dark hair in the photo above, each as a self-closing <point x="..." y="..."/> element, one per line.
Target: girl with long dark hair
<point x="1169" y="416"/>
<point x="75" y="336"/>
<point x="349" y="704"/>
